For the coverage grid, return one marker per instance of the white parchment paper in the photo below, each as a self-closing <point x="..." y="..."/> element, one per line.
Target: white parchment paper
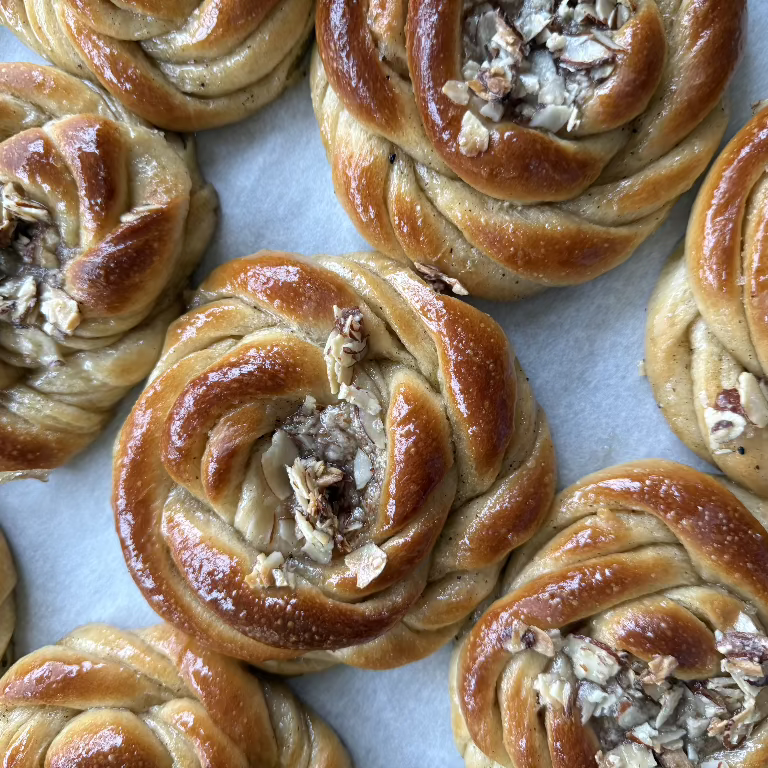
<point x="580" y="347"/>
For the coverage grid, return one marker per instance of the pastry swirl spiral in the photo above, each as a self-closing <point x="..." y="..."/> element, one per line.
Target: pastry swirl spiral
<point x="310" y="486"/>
<point x="152" y="699"/>
<point x="631" y="629"/>
<point x="455" y="162"/>
<point x="103" y="219"/>
<point x="707" y="335"/>
<point x="184" y="65"/>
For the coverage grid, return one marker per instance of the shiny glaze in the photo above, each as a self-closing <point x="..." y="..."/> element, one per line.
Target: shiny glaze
<point x="638" y="594"/>
<point x="84" y="702"/>
<point x="391" y="138"/>
<point x="90" y="170"/>
<point x="195" y="426"/>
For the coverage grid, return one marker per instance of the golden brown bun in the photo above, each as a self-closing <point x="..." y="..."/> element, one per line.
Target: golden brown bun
<point x="707" y="335"/>
<point x="180" y="64"/>
<point x="152" y="699"/>
<point x="650" y="559"/>
<point x="88" y="288"/>
<point x="467" y="468"/>
<point x="536" y="209"/>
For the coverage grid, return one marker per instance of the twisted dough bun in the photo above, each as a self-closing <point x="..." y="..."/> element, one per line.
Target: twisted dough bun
<point x="707" y="335"/>
<point x="183" y="65"/>
<point x="659" y="567"/>
<point x="152" y="699"/>
<point x="102" y="222"/>
<point x="535" y="208"/>
<point x="411" y="479"/>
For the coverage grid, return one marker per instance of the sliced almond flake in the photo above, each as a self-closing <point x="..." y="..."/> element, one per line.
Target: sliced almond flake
<point x="19" y="296"/>
<point x="262" y="573"/>
<point x="514" y="642"/>
<point x="723" y="426"/>
<point x="591" y="661"/>
<point x="17" y="206"/>
<point x="284" y="578"/>
<point x="474" y="137"/>
<point x="317" y="544"/>
<point x="347" y="344"/>
<point x="529" y="25"/>
<point x="669" y="701"/>
<point x="584" y="52"/>
<point x="598" y="74"/>
<point x="626" y="756"/>
<point x="457" y="91"/>
<point x="573" y="121"/>
<point x="556" y="42"/>
<point x="438" y="281"/>
<point x="752" y="399"/>
<point x="362" y="398"/>
<point x="624" y="14"/>
<point x="368" y="562"/>
<point x="605" y="9"/>
<point x="280" y="455"/>
<point x="363" y="469"/>
<point x="660" y="668"/>
<point x="606" y="40"/>
<point x="551" y="118"/>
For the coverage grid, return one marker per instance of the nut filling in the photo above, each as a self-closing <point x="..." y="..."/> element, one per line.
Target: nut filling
<point x="536" y="62"/>
<point x="640" y="712"/>
<point x="737" y="412"/>
<point x="325" y="464"/>
<point x="31" y="296"/>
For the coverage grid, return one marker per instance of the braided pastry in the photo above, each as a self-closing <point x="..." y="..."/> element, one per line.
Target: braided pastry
<point x="152" y="699"/>
<point x="102" y="221"/>
<point x="183" y="65"/>
<point x="707" y="336"/>
<point x="519" y="144"/>
<point x="331" y="464"/>
<point x="630" y="632"/>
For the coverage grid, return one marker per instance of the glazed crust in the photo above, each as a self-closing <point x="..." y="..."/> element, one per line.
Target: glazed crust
<point x="131" y="217"/>
<point x="649" y="558"/>
<point x="580" y="205"/>
<point x="183" y="65"/>
<point x="469" y="462"/>
<point x="152" y="699"/>
<point x="708" y="318"/>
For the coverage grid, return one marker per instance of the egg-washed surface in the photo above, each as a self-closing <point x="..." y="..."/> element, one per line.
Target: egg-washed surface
<point x="514" y="146"/>
<point x="101" y="221"/>
<point x="357" y="453"/>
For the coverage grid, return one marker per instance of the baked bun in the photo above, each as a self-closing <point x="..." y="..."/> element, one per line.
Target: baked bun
<point x="630" y="633"/>
<point x="519" y="145"/>
<point x="707" y="335"/>
<point x="152" y="699"/>
<point x="101" y="222"/>
<point x="330" y="464"/>
<point x="183" y="65"/>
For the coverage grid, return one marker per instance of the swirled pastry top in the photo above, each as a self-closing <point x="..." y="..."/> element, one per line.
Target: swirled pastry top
<point x="707" y="338"/>
<point x="443" y="109"/>
<point x="152" y="699"/>
<point x="184" y="65"/>
<point x="355" y="453"/>
<point x="102" y="220"/>
<point x="631" y="632"/>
